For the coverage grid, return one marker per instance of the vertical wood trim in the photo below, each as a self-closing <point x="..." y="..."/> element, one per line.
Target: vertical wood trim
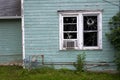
<point x="100" y="30"/>
<point x="80" y="31"/>
<point x="77" y="32"/>
<point x="99" y="14"/>
<point x="60" y="32"/>
<point x="23" y="34"/>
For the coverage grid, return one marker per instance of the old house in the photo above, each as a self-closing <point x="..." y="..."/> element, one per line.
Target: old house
<point x="56" y="31"/>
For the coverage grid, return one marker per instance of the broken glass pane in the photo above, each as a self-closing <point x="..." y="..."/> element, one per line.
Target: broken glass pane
<point x="70" y="35"/>
<point x="90" y="39"/>
<point x="70" y="27"/>
<point x="90" y="22"/>
<point x="70" y="20"/>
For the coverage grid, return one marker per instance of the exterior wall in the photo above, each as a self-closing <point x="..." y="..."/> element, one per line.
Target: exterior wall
<point x="10" y="41"/>
<point x="42" y="31"/>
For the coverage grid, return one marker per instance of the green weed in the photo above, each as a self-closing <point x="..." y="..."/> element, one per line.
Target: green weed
<point x="45" y="73"/>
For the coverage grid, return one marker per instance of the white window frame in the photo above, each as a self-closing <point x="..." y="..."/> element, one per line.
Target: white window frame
<point x="79" y="15"/>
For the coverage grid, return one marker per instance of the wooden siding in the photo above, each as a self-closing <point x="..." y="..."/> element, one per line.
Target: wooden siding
<point x="10" y="8"/>
<point x="42" y="30"/>
<point x="10" y="41"/>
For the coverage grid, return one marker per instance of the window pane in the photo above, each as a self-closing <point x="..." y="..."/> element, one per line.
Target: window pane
<point x="90" y="39"/>
<point x="70" y="20"/>
<point x="70" y="35"/>
<point x="90" y="22"/>
<point x="70" y="27"/>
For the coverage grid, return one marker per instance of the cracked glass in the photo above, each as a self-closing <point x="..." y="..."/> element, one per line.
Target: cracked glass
<point x="70" y="27"/>
<point x="90" y="31"/>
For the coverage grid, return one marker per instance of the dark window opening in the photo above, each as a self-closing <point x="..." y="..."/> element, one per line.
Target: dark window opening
<point x="90" y="23"/>
<point x="90" y="39"/>
<point x="90" y="31"/>
<point x="70" y="35"/>
<point x="70" y="20"/>
<point x="70" y="27"/>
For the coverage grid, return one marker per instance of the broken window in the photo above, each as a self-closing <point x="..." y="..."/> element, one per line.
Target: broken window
<point x="70" y="27"/>
<point x="90" y="30"/>
<point x="81" y="30"/>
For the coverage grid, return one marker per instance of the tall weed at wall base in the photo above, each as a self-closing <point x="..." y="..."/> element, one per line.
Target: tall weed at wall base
<point x="79" y="65"/>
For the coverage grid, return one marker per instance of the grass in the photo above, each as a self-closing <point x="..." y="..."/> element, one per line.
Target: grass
<point x="18" y="73"/>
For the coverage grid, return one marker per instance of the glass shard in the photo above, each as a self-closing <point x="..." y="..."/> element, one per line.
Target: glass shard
<point x="70" y="27"/>
<point x="90" y="22"/>
<point x="70" y="35"/>
<point x="69" y="20"/>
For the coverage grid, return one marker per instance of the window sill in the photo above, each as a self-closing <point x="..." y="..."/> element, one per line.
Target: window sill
<point x="91" y="48"/>
<point x="83" y="49"/>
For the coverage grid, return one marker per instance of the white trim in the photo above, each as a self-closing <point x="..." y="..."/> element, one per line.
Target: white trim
<point x="80" y="31"/>
<point x="91" y="48"/>
<point x="60" y="31"/>
<point x="99" y="16"/>
<point x="100" y="30"/>
<point x="78" y="11"/>
<point x="91" y="13"/>
<point x="10" y="17"/>
<point x="23" y="34"/>
<point x="79" y="16"/>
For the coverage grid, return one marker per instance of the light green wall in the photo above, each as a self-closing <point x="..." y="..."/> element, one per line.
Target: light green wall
<point x="10" y="41"/>
<point x="42" y="30"/>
